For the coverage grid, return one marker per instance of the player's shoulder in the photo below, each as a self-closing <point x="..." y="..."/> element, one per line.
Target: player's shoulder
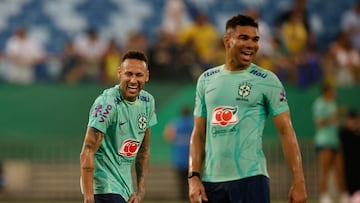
<point x="146" y="96"/>
<point x="212" y="72"/>
<point x="262" y="73"/>
<point x="111" y="92"/>
<point x="109" y="95"/>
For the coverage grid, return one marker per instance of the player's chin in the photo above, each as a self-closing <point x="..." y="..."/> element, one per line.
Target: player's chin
<point x="132" y="91"/>
<point x="131" y="96"/>
<point x="244" y="64"/>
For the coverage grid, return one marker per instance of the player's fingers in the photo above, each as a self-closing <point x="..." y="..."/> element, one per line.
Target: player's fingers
<point x="197" y="197"/>
<point x="191" y="196"/>
<point x="132" y="199"/>
<point x="203" y="195"/>
<point x="292" y="200"/>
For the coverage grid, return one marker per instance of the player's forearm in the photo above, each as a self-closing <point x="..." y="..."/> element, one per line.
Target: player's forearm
<point x="87" y="169"/>
<point x="142" y="168"/>
<point x="87" y="183"/>
<point x="142" y="165"/>
<point x="289" y="145"/>
<point x="197" y="145"/>
<point x="293" y="156"/>
<point x="87" y="176"/>
<point x="197" y="153"/>
<point x="327" y="121"/>
<point x="91" y="144"/>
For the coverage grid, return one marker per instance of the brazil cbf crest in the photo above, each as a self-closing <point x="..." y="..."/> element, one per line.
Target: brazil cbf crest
<point x="244" y="89"/>
<point x="142" y="121"/>
<point x="224" y="115"/>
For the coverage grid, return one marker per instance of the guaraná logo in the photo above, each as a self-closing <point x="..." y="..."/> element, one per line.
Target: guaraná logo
<point x="129" y="148"/>
<point x="224" y="115"/>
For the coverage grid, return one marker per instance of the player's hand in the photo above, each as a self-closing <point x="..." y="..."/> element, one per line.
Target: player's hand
<point x="196" y="190"/>
<point x="135" y="198"/>
<point x="89" y="199"/>
<point x="297" y="193"/>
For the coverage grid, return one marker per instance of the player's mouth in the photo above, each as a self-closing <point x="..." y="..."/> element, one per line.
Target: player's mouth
<point x="132" y="88"/>
<point x="246" y="55"/>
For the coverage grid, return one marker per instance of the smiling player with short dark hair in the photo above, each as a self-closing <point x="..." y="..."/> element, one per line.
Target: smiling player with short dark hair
<point x="227" y="163"/>
<point x="118" y="135"/>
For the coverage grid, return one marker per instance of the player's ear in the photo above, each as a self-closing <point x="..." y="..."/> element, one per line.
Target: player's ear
<point x="147" y="76"/>
<point x="226" y="40"/>
<point x="119" y="70"/>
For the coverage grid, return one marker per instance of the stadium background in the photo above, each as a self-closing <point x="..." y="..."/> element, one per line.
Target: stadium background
<point x="42" y="125"/>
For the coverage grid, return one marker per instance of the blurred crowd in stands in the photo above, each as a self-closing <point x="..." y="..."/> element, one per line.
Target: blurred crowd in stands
<point x="187" y="45"/>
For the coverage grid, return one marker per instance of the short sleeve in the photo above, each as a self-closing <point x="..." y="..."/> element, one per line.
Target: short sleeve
<point x="102" y="113"/>
<point x="275" y="95"/>
<point x="152" y="114"/>
<point x="200" y="106"/>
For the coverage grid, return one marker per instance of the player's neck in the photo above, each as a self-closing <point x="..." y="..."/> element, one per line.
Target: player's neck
<point x="230" y="67"/>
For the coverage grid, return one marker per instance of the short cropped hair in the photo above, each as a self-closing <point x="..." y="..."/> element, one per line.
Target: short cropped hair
<point x="325" y="87"/>
<point x="241" y="20"/>
<point x="135" y="55"/>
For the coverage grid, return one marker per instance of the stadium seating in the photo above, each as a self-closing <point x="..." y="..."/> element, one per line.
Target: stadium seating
<point x="53" y="22"/>
<point x="51" y="161"/>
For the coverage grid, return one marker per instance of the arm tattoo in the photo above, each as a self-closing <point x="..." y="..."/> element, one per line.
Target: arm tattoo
<point x="97" y="134"/>
<point x="140" y="161"/>
<point x="91" y="145"/>
<point x="142" y="164"/>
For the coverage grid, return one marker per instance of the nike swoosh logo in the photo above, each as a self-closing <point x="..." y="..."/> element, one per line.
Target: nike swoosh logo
<point x="210" y="90"/>
<point x="122" y="123"/>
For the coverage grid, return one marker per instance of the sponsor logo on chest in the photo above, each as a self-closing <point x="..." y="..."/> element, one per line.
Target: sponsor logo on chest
<point x="129" y="148"/>
<point x="224" y="115"/>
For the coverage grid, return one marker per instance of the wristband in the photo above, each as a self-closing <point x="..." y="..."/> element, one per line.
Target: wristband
<point x="192" y="174"/>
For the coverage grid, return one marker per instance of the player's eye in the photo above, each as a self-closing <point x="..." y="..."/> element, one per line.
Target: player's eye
<point x="139" y="74"/>
<point x="256" y="39"/>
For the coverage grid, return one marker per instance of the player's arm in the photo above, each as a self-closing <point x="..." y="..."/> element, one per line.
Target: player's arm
<point x="293" y="156"/>
<point x="142" y="167"/>
<point x="331" y="120"/>
<point x="92" y="141"/>
<point x="196" y="159"/>
<point x="197" y="145"/>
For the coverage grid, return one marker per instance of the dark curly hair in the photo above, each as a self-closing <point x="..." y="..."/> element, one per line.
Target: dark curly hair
<point x="241" y="20"/>
<point x="135" y="55"/>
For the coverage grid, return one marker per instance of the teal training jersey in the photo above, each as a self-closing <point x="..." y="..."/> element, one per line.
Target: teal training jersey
<point x="325" y="136"/>
<point x="236" y="104"/>
<point x="123" y="124"/>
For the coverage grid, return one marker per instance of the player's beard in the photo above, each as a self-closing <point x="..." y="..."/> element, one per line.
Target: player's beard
<point x="130" y="91"/>
<point x="240" y="64"/>
<point x="240" y="59"/>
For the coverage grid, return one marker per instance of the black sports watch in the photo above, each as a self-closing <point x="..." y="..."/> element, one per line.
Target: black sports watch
<point x="192" y="174"/>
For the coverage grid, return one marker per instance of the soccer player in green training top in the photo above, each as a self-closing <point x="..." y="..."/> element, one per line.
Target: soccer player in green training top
<point x="227" y="163"/>
<point x="118" y="135"/>
<point x="327" y="143"/>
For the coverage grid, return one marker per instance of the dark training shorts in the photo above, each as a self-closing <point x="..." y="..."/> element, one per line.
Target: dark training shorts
<point x="109" y="198"/>
<point x="254" y="189"/>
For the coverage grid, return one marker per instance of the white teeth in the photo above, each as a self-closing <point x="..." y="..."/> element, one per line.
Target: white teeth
<point x="246" y="52"/>
<point x="132" y="87"/>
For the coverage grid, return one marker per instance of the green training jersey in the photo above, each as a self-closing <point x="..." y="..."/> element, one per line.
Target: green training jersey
<point x="236" y="104"/>
<point x="325" y="136"/>
<point x="124" y="124"/>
